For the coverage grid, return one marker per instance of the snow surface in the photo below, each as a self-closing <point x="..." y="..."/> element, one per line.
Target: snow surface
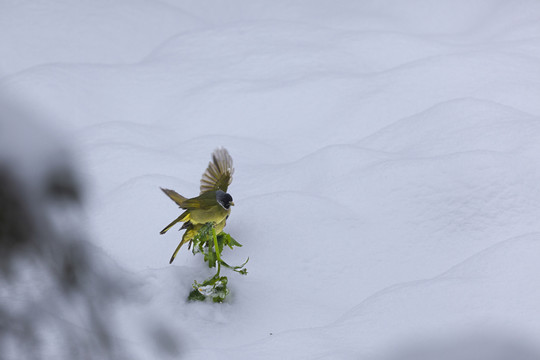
<point x="387" y="159"/>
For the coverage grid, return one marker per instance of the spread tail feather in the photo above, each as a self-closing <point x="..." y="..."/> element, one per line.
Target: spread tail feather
<point x="185" y="239"/>
<point x="176" y="251"/>
<point x="176" y="197"/>
<point x="183" y="217"/>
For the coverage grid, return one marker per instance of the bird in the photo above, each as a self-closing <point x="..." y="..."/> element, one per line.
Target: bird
<point x="213" y="205"/>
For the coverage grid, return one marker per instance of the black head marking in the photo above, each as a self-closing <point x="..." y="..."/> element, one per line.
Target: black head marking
<point x="224" y="199"/>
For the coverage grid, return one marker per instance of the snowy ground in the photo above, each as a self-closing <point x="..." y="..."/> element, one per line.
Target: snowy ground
<point x="387" y="159"/>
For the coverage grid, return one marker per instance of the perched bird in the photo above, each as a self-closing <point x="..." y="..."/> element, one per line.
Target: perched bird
<point x="213" y="205"/>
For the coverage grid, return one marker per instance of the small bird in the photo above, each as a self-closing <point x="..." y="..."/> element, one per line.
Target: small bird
<point x="213" y="205"/>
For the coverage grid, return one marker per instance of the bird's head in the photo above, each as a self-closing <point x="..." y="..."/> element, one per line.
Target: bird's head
<point x="224" y="199"/>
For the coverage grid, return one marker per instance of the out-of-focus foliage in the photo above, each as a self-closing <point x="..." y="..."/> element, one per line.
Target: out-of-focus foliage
<point x="54" y="300"/>
<point x="57" y="300"/>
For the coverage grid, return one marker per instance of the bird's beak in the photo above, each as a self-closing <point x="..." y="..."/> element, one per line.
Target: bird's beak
<point x="232" y="203"/>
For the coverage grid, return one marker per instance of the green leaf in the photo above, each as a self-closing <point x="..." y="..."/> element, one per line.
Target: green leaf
<point x="233" y="242"/>
<point x="214" y="287"/>
<point x="236" y="268"/>
<point x="220" y="244"/>
<point x="228" y="240"/>
<point x="211" y="258"/>
<point x="195" y="295"/>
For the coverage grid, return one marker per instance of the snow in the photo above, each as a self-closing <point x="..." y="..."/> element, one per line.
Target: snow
<point x="386" y="161"/>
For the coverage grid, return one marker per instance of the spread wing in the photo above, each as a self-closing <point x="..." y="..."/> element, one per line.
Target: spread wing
<point x="218" y="174"/>
<point x="205" y="201"/>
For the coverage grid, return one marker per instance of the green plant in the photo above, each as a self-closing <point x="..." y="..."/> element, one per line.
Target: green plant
<point x="211" y="245"/>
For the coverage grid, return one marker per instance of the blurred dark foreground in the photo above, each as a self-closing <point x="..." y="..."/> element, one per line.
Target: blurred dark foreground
<point x="58" y="294"/>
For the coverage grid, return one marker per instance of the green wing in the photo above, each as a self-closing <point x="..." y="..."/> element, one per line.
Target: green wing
<point x="204" y="201"/>
<point x="218" y="174"/>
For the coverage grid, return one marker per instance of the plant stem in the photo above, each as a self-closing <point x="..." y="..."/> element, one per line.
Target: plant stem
<point x="216" y="247"/>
